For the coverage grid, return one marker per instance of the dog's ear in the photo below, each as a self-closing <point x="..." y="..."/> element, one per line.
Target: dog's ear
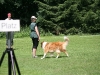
<point x="41" y="44"/>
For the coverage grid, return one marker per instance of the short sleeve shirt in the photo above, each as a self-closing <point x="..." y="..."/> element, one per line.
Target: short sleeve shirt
<point x="33" y="33"/>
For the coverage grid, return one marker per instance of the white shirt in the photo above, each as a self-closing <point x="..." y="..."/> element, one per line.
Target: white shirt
<point x="8" y="19"/>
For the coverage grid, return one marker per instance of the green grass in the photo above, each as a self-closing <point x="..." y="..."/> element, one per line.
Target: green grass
<point x="84" y="57"/>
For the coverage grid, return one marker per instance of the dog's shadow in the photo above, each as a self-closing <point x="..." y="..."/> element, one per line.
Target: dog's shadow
<point x="52" y="56"/>
<point x="62" y="56"/>
<point x="40" y="55"/>
<point x="46" y="56"/>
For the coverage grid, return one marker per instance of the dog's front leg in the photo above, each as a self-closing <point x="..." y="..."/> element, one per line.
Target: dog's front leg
<point x="43" y="56"/>
<point x="57" y="55"/>
<point x="66" y="54"/>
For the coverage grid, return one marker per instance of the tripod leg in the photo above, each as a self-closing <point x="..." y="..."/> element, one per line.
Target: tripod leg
<point x="12" y="60"/>
<point x="9" y="63"/>
<point x="16" y="63"/>
<point x="2" y="57"/>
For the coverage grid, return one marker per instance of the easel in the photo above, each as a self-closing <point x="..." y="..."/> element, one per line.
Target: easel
<point x="12" y="61"/>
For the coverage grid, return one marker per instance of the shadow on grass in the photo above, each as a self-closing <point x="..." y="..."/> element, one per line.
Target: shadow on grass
<point x="52" y="56"/>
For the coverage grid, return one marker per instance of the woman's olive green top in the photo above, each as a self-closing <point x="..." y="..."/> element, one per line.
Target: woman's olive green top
<point x="33" y="32"/>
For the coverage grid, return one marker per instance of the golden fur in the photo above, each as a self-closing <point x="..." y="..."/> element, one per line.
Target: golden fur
<point x="55" y="47"/>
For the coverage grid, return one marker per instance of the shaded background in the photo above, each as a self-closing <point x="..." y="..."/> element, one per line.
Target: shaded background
<point x="56" y="16"/>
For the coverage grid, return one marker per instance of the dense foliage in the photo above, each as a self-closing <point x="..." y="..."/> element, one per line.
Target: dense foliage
<point x="56" y="16"/>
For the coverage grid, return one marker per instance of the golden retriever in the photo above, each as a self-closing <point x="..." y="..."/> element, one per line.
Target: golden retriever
<point x="55" y="47"/>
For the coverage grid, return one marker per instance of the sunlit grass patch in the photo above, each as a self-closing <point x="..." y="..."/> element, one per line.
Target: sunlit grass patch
<point x="84" y="57"/>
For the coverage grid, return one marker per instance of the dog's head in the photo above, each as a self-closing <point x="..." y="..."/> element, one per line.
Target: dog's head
<point x="43" y="44"/>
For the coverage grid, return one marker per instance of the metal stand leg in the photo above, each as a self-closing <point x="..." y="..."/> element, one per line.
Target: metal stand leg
<point x="9" y="64"/>
<point x="11" y="58"/>
<point x="12" y="62"/>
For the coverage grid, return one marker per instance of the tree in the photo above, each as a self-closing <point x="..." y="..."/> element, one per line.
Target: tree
<point x="56" y="15"/>
<point x="20" y="9"/>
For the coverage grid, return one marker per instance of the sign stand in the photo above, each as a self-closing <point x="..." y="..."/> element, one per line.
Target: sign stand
<point x="12" y="62"/>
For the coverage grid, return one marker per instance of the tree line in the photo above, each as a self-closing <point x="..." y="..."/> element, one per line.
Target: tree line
<point x="56" y="16"/>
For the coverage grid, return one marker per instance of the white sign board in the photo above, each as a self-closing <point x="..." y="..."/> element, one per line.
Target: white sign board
<point x="9" y="25"/>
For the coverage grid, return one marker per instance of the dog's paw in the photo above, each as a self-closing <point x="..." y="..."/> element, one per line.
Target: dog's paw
<point x="41" y="58"/>
<point x="67" y="55"/>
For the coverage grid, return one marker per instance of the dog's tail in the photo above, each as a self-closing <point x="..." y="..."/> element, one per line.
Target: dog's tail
<point x="66" y="38"/>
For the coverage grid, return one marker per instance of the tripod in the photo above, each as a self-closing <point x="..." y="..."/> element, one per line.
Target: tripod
<point x="11" y="58"/>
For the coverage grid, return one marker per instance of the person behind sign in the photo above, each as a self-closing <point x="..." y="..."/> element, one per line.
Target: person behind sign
<point x="12" y="33"/>
<point x="35" y="36"/>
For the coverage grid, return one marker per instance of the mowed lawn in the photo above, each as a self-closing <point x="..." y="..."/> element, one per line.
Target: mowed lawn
<point x="84" y="57"/>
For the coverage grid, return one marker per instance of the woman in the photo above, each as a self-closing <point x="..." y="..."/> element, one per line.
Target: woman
<point x="35" y="36"/>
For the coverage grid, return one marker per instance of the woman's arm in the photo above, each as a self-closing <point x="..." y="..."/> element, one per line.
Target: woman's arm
<point x="36" y="29"/>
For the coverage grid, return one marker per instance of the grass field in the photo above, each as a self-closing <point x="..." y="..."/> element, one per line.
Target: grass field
<point x="84" y="57"/>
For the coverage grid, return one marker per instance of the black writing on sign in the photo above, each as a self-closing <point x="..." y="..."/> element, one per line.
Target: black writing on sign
<point x="8" y="26"/>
